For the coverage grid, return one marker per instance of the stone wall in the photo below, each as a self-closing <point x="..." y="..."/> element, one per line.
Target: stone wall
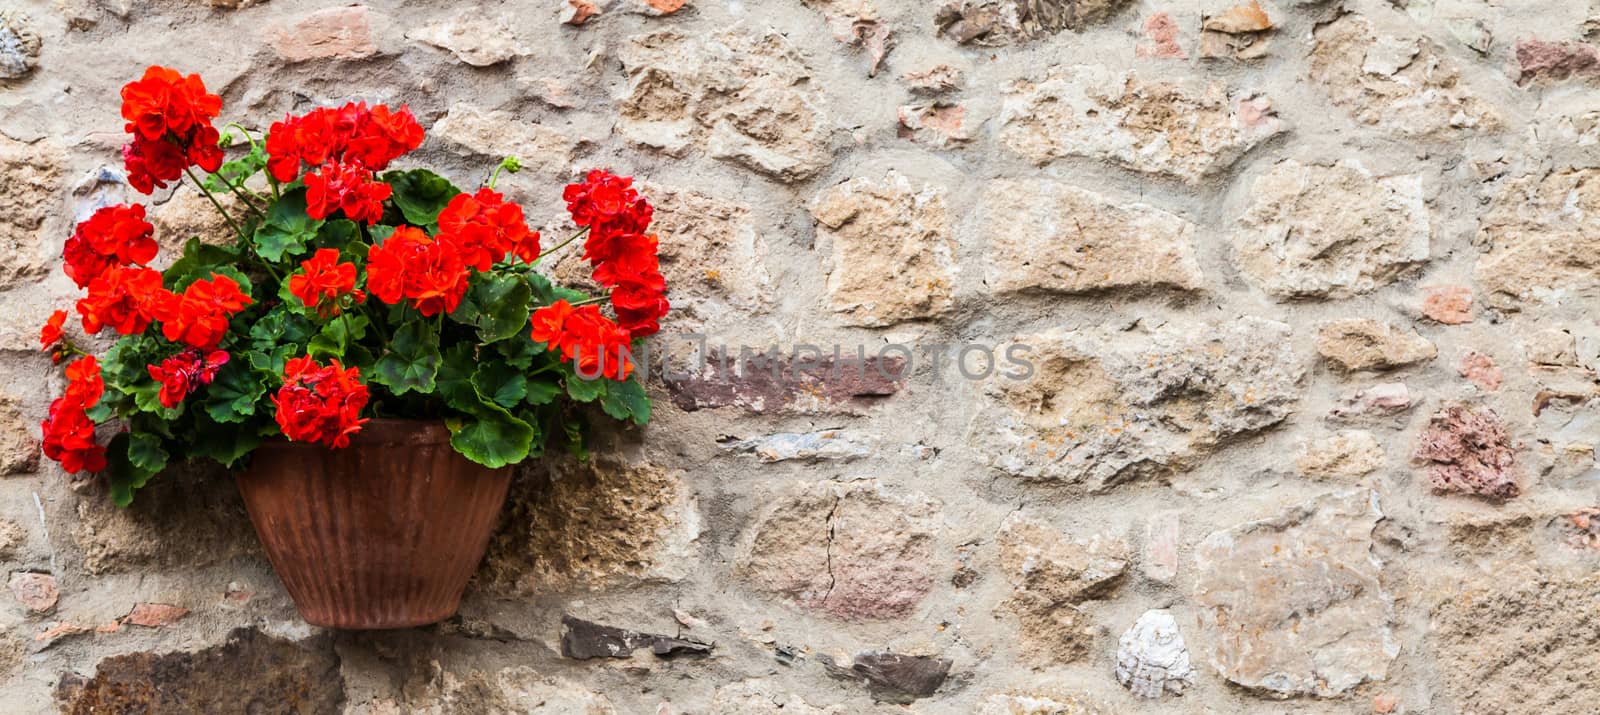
<point x="1308" y="287"/>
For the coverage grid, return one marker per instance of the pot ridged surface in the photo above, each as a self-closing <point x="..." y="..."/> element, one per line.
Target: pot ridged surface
<point x="384" y="533"/>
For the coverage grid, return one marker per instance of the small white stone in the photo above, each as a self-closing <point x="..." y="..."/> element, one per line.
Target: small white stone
<point x="1152" y="659"/>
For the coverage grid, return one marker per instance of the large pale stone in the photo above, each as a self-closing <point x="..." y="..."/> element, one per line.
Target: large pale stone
<point x="593" y="524"/>
<point x="1542" y="240"/>
<point x="747" y="99"/>
<point x="1405" y="85"/>
<point x="762" y="697"/>
<point x="339" y="33"/>
<point x="1107" y="406"/>
<point x="434" y="690"/>
<point x="497" y="134"/>
<point x="1519" y="643"/>
<point x="713" y="257"/>
<point x="472" y="37"/>
<point x="893" y="257"/>
<point x="1345" y="455"/>
<point x="188" y="516"/>
<point x="1293" y="605"/>
<point x="1050" y="575"/>
<point x="1151" y="127"/>
<point x="1318" y="231"/>
<point x="853" y="550"/>
<point x="1152" y="659"/>
<point x="1001" y="22"/>
<point x="1356" y="344"/>
<point x="1045" y="700"/>
<point x="1047" y="236"/>
<point x="31" y="176"/>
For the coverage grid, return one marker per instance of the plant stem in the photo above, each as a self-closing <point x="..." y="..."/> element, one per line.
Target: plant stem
<point x="563" y="244"/>
<point x="592" y="301"/>
<point x="231" y="223"/>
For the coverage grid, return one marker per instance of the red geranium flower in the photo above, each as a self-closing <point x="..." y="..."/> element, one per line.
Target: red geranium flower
<point x="484" y="228"/>
<point x="199" y="317"/>
<point x="409" y="265"/>
<point x="345" y="187"/>
<point x="51" y="333"/>
<point x="323" y="281"/>
<point x="68" y="431"/>
<point x="169" y="116"/>
<point x="113" y="236"/>
<point x="84" y="384"/>
<point x="185" y="372"/>
<point x="320" y="404"/>
<point x="348" y="134"/>
<point x="581" y="333"/>
<point x="126" y="299"/>
<point x="606" y="204"/>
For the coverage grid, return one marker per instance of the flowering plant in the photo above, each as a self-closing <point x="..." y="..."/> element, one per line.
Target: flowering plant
<point x="349" y="290"/>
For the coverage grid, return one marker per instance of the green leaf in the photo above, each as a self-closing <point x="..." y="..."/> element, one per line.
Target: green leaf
<point x="454" y="382"/>
<point x="502" y="383"/>
<point x="545" y="292"/>
<point x="236" y="172"/>
<point x="145" y="452"/>
<point x="131" y="460"/>
<point x="209" y="272"/>
<point x="338" y="234"/>
<point x="542" y="392"/>
<point x="493" y="437"/>
<point x="232" y="396"/>
<point x="147" y="398"/>
<point x="420" y="194"/>
<point x="626" y="400"/>
<point x="496" y="304"/>
<point x="224" y="443"/>
<point x="379" y="233"/>
<point x="198" y="261"/>
<point x="281" y="325"/>
<point x="520" y="353"/>
<point x="287" y="228"/>
<point x="412" y="361"/>
<point x="585" y="390"/>
<point x="337" y="336"/>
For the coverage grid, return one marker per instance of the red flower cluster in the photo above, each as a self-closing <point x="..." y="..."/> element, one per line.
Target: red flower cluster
<point x="484" y="228"/>
<point x="199" y="317"/>
<point x="184" y="373"/>
<point x="351" y="134"/>
<point x="126" y="298"/>
<point x="583" y="334"/>
<point x="320" y="403"/>
<point x="68" y="431"/>
<point x="51" y="335"/>
<point x="323" y="282"/>
<point x="624" y="256"/>
<point x="408" y="264"/>
<point x="113" y="236"/>
<point x="169" y="116"/>
<point x="350" y="188"/>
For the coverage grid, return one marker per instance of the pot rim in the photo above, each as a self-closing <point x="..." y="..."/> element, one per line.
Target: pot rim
<point x="379" y="431"/>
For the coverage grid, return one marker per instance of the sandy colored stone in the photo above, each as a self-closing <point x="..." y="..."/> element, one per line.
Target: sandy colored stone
<point x="19" y="46"/>
<point x="12" y="538"/>
<point x="1185" y="131"/>
<point x="762" y="697"/>
<point x="937" y="124"/>
<point x="593" y="524"/>
<point x="338" y="33"/>
<point x="1518" y="643"/>
<point x="740" y="97"/>
<point x="1108" y="406"/>
<point x="1044" y="700"/>
<point x="188" y="214"/>
<point x="1404" y="85"/>
<point x="19" y="449"/>
<point x="1381" y="400"/>
<point x="1466" y="450"/>
<point x="852" y="550"/>
<point x="713" y="257"/>
<point x="474" y="38"/>
<point x="1542" y="241"/>
<point x="188" y="516"/>
<point x="36" y="592"/>
<point x="1447" y="304"/>
<point x="31" y="176"/>
<point x="1051" y="573"/>
<point x="470" y="130"/>
<point x="1003" y="22"/>
<point x="1331" y="231"/>
<point x="1293" y="604"/>
<point x="1358" y="344"/>
<point x="935" y="80"/>
<point x="1345" y="455"/>
<point x="435" y="690"/>
<point x="893" y="257"/>
<point x="1551" y="347"/>
<point x="1046" y="236"/>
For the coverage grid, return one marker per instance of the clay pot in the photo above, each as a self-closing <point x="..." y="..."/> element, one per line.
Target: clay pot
<point x="384" y="533"/>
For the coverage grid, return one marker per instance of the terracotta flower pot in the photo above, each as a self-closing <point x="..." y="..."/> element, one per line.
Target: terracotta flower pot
<point x="384" y="533"/>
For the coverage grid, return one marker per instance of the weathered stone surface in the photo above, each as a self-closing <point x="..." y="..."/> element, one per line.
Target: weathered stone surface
<point x="1293" y="605"/>
<point x="894" y="677"/>
<point x="827" y="445"/>
<point x="583" y="640"/>
<point x="1541" y="61"/>
<point x="12" y="538"/>
<point x="893" y="257"/>
<point x="1051" y="701"/>
<point x="36" y="592"/>
<point x="1345" y="455"/>
<point x="1162" y="31"/>
<point x="1152" y="659"/>
<point x="30" y="176"/>
<point x="1241" y="32"/>
<point x="19" y="46"/>
<point x="473" y="131"/>
<point x="1050" y="575"/>
<point x="1520" y="643"/>
<point x="263" y="675"/>
<point x="474" y="38"/>
<point x="185" y="517"/>
<point x="853" y="550"/>
<point x="787" y="383"/>
<point x="857" y="25"/>
<point x="1357" y="344"/>
<point x="578" y="12"/>
<point x="936" y="80"/>
<point x="1162" y="535"/>
<point x="1480" y="370"/>
<point x="340" y="33"/>
<point x="1163" y="128"/>
<point x="1108" y="406"/>
<point x="1381" y="400"/>
<point x="714" y="259"/>
<point x="937" y="124"/>
<point x="1552" y="347"/>
<point x="1320" y="231"/>
<point x="1052" y="237"/>
<point x="1002" y="22"/>
<point x="1447" y="304"/>
<point x="740" y="96"/>
<point x="19" y="450"/>
<point x="520" y="689"/>
<point x="1404" y="85"/>
<point x="761" y="697"/>
<point x="1467" y="451"/>
<point x="188" y="214"/>
<point x="574" y="525"/>
<point x="1542" y="236"/>
<point x="154" y="615"/>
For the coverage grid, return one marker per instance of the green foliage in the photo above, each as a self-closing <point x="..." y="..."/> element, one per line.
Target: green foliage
<point x="234" y="173"/>
<point x="412" y="360"/>
<point x="420" y="194"/>
<point x="496" y="304"/>
<point x="286" y="229"/>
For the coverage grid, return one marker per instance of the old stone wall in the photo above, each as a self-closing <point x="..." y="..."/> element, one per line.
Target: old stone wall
<point x="1308" y="287"/>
